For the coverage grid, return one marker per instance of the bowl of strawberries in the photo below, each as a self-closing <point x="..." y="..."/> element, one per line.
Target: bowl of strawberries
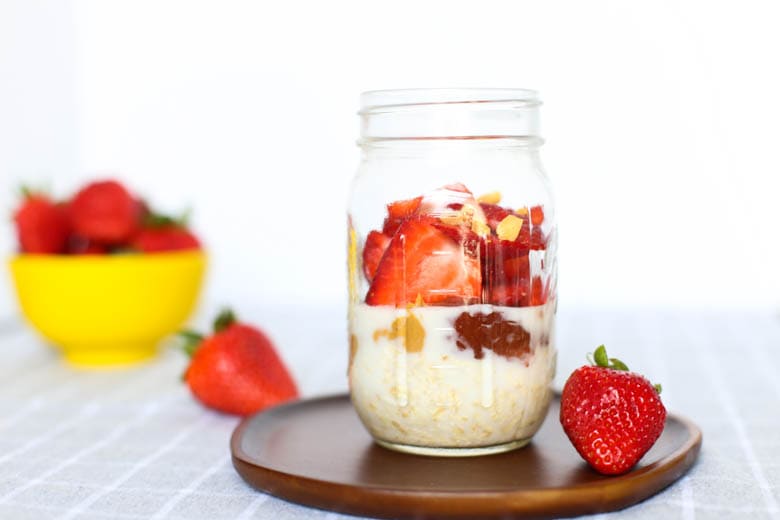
<point x="102" y="276"/>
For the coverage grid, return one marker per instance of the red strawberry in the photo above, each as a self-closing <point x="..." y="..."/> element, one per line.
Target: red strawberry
<point x="169" y="237"/>
<point x="376" y="244"/>
<point x="612" y="416"/>
<point x="423" y="260"/>
<point x="399" y="211"/>
<point x="41" y="225"/>
<point x="237" y="369"/>
<point x="105" y="212"/>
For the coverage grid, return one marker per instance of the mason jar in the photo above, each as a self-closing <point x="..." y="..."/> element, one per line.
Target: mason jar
<point x="452" y="271"/>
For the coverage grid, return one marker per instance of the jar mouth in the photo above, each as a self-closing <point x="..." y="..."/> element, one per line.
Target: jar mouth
<point x="449" y="113"/>
<point x="374" y="101"/>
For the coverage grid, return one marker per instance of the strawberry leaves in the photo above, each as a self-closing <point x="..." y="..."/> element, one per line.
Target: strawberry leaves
<point x="599" y="358"/>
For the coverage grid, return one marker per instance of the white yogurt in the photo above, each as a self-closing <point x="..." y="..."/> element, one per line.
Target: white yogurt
<point x="441" y="396"/>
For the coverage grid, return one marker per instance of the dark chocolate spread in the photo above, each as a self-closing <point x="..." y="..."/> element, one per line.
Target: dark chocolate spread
<point x="491" y="331"/>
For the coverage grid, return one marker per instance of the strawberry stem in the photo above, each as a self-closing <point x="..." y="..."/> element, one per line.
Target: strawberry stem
<point x="191" y="341"/>
<point x="599" y="358"/>
<point x="158" y="220"/>
<point x="617" y="364"/>
<point x="224" y="320"/>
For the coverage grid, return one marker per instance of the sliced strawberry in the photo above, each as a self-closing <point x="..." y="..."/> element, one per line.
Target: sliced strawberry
<point x="538" y="291"/>
<point x="399" y="211"/>
<point x="457" y="186"/>
<point x="462" y="236"/>
<point x="376" y="244"/>
<point x="505" y="272"/>
<point x="538" y="240"/>
<point x="403" y="208"/>
<point x="517" y="268"/>
<point x="494" y="214"/>
<point x="447" y="199"/>
<point x="537" y="215"/>
<point x="423" y="260"/>
<point x="510" y="295"/>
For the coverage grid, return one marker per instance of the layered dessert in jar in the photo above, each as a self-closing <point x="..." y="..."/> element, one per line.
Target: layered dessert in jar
<point x="452" y="345"/>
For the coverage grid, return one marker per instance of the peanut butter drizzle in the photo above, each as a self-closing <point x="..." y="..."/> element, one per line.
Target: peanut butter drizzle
<point x="408" y="328"/>
<point x="352" y="261"/>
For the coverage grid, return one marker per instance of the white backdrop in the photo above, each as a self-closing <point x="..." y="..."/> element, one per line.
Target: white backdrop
<point x="661" y="121"/>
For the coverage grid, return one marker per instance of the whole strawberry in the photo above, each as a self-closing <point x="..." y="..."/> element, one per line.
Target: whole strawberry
<point x="611" y="416"/>
<point x="41" y="225"/>
<point x="236" y="370"/>
<point x="164" y="233"/>
<point x="105" y="212"/>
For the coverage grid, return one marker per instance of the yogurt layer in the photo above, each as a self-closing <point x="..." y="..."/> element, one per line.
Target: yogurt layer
<point x="414" y="380"/>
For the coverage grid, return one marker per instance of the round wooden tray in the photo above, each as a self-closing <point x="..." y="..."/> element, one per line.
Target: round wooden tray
<point x="317" y="453"/>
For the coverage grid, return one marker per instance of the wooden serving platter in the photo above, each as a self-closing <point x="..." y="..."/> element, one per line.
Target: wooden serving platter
<point x="316" y="452"/>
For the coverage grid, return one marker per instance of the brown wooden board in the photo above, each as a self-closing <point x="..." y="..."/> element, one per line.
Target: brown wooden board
<point x="317" y="453"/>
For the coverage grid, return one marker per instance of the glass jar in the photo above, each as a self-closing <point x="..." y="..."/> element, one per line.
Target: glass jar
<point x="452" y="271"/>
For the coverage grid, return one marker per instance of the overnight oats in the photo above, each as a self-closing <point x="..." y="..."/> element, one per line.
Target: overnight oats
<point x="452" y="291"/>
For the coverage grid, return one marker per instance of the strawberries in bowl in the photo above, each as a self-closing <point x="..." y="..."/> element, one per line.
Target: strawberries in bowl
<point x="103" y="217"/>
<point x="101" y="275"/>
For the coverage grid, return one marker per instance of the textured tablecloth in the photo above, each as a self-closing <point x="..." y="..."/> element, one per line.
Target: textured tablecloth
<point x="131" y="443"/>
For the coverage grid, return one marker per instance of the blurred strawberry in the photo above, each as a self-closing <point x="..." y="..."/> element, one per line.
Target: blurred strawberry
<point x="165" y="238"/>
<point x="41" y="225"/>
<point x="236" y="370"/>
<point x="105" y="212"/>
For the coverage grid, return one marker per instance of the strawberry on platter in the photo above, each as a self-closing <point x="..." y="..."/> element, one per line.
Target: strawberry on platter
<point x="612" y="416"/>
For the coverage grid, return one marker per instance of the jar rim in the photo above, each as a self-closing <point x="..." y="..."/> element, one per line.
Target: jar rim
<point x="377" y="100"/>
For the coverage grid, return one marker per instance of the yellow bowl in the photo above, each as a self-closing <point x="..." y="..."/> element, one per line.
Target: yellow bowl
<point x="108" y="310"/>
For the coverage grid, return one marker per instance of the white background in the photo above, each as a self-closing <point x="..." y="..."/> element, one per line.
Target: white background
<point x="662" y="122"/>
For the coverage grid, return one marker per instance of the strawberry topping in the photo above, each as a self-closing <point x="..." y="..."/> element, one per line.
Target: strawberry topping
<point x="422" y="260"/>
<point x="376" y="244"/>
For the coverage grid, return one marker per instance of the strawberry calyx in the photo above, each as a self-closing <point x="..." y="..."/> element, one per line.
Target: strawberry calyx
<point x="27" y="192"/>
<point x="224" y="319"/>
<point x="191" y="339"/>
<point x="599" y="358"/>
<point x="155" y="220"/>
